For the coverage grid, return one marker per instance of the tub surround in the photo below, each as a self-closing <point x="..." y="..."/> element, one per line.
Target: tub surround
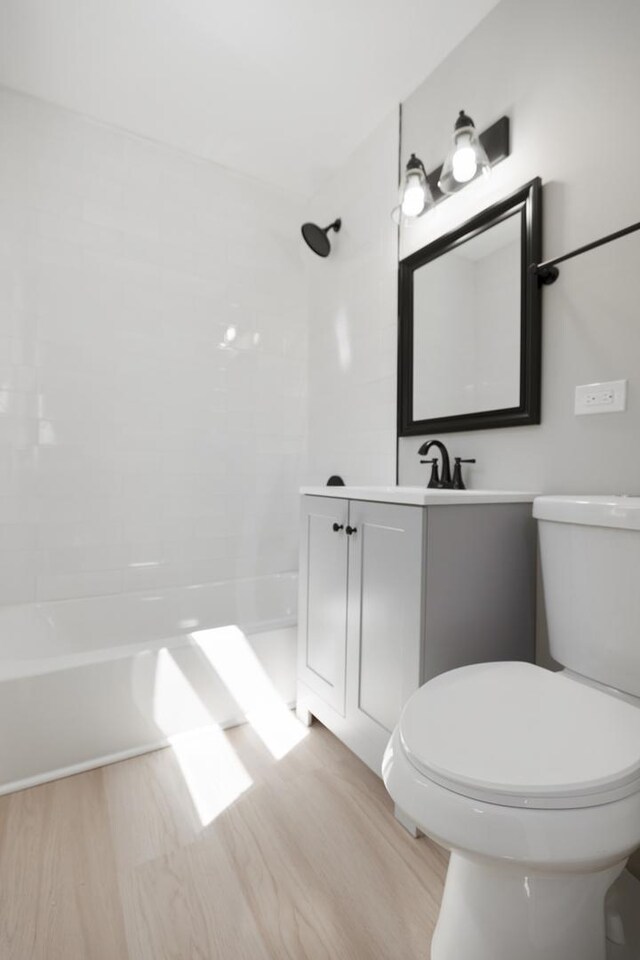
<point x="147" y="388"/>
<point x="352" y="305"/>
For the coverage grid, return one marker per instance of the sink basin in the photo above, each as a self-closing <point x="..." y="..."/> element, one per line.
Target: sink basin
<point x="420" y="496"/>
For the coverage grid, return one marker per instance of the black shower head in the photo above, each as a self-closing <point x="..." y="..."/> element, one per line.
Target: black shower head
<point x="316" y="237"/>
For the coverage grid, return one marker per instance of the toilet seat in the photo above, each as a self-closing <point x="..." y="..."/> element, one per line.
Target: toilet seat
<point x="518" y="735"/>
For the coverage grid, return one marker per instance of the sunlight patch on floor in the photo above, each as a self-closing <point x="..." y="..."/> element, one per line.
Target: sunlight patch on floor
<point x="212" y="771"/>
<point x="231" y="656"/>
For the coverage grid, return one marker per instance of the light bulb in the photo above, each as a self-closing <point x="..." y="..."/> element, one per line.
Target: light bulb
<point x="413" y="200"/>
<point x="466" y="159"/>
<point x="414" y="195"/>
<point x="464" y="164"/>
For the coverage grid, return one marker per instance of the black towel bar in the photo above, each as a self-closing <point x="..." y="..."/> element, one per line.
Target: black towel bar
<point x="548" y="272"/>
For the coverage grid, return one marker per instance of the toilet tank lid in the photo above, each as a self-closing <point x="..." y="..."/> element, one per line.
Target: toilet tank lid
<point x="598" y="511"/>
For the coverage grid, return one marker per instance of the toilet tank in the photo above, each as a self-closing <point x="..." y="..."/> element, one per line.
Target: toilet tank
<point x="590" y="558"/>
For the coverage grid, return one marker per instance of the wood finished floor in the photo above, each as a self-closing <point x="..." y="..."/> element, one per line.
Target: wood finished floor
<point x="307" y="863"/>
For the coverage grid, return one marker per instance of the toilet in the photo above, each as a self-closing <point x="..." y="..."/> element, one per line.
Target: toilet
<point x="531" y="778"/>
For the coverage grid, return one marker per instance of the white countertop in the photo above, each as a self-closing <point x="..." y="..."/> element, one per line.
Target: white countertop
<point x="420" y="496"/>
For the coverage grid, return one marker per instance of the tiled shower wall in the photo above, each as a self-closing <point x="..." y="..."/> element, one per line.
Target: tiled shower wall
<point x="352" y="318"/>
<point x="152" y="364"/>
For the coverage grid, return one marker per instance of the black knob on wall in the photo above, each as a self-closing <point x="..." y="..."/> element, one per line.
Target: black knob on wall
<point x="337" y="527"/>
<point x="350" y="530"/>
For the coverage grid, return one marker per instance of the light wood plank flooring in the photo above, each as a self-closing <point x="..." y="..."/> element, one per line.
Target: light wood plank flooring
<point x="307" y="863"/>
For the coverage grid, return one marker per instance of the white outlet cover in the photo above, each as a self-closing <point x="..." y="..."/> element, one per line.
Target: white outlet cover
<point x="610" y="396"/>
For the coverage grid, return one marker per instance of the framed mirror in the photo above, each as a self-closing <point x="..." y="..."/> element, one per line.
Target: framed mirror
<point x="469" y="335"/>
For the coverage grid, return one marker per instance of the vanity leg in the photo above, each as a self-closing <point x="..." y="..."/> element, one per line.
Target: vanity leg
<point x="407" y="823"/>
<point x="303" y="715"/>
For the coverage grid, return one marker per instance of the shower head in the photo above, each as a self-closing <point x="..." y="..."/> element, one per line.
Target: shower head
<point x="316" y="237"/>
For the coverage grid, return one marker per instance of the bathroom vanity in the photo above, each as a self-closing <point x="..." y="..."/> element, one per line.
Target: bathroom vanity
<point x="399" y="584"/>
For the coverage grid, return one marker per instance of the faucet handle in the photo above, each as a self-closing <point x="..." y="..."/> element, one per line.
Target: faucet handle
<point x="434" y="479"/>
<point x="458" y="483"/>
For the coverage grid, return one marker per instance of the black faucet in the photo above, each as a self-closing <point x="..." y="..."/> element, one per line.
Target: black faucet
<point x="444" y="482"/>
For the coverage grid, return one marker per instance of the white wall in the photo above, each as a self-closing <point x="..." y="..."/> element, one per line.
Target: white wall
<point x="138" y="448"/>
<point x="568" y="75"/>
<point x="352" y="315"/>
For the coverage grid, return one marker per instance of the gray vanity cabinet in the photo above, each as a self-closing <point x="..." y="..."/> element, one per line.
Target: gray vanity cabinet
<point x="322" y="647"/>
<point x="393" y="594"/>
<point x="384" y="620"/>
<point x="360" y="617"/>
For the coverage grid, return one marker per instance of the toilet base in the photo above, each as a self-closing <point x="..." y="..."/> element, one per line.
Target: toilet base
<point x="623" y="918"/>
<point x="494" y="911"/>
<point x="410" y="825"/>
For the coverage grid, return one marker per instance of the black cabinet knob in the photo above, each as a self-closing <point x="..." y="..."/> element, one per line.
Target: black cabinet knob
<point x="337" y="527"/>
<point x="349" y="530"/>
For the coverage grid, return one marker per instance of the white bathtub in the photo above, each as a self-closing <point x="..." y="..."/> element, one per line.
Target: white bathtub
<point x="87" y="682"/>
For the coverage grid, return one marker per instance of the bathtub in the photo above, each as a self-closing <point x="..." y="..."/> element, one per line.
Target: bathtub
<point x="91" y="681"/>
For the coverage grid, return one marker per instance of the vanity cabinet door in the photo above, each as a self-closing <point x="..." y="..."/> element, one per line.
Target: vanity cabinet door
<point x="322" y="618"/>
<point x="385" y="619"/>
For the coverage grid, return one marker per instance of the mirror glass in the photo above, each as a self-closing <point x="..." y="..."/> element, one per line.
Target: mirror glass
<point x="466" y="326"/>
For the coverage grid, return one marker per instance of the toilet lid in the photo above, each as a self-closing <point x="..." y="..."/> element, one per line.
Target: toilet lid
<point x="518" y="735"/>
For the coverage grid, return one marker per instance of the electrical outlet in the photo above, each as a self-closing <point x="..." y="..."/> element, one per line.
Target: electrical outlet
<point x="609" y="397"/>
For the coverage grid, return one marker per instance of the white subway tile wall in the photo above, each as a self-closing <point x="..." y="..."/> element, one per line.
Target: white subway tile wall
<point x="152" y="363"/>
<point x="352" y="316"/>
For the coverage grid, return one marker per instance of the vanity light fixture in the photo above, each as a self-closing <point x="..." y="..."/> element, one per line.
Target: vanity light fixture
<point x="471" y="156"/>
<point x="467" y="158"/>
<point x="415" y="195"/>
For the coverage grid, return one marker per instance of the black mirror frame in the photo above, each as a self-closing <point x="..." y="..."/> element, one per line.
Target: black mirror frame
<point x="527" y="201"/>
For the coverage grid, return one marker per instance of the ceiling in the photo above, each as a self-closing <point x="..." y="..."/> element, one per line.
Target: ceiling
<point x="283" y="90"/>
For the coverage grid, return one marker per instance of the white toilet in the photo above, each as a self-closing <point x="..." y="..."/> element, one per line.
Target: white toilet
<point x="532" y="778"/>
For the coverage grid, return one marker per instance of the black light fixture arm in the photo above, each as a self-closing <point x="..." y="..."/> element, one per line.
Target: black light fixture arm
<point x="548" y="272"/>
